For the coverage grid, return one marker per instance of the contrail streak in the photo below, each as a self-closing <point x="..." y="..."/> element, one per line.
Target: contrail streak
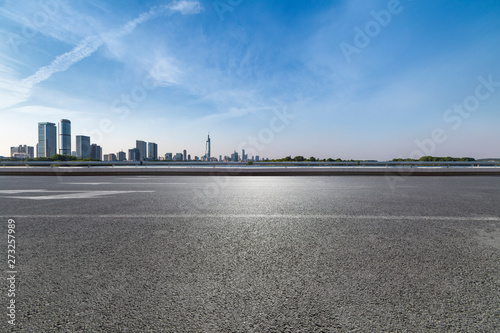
<point x="90" y="44"/>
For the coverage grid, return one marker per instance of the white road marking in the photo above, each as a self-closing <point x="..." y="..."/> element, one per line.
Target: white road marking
<point x="87" y="183"/>
<point x="327" y="216"/>
<point x="77" y="195"/>
<point x="125" y="183"/>
<point x="19" y="191"/>
<point x="137" y="177"/>
<point x="34" y="191"/>
<point x="154" y="183"/>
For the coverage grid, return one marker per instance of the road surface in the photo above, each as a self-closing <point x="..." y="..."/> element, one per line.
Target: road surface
<point x="253" y="254"/>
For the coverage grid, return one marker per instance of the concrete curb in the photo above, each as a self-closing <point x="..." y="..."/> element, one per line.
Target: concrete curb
<point x="250" y="171"/>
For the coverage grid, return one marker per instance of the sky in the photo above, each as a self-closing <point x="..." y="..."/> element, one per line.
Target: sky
<point x="341" y="79"/>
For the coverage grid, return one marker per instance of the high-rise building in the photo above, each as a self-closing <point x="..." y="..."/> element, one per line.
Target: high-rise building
<point x="168" y="156"/>
<point x="122" y="156"/>
<point x="189" y="157"/>
<point x="22" y="152"/>
<point x="111" y="157"/>
<point x="234" y="157"/>
<point x="152" y="151"/>
<point x="65" y="137"/>
<point x="134" y="154"/>
<point x="184" y="155"/>
<point x="208" y="149"/>
<point x="141" y="145"/>
<point x="82" y="146"/>
<point x="95" y="152"/>
<point x="47" y="139"/>
<point x="178" y="157"/>
<point x="257" y="158"/>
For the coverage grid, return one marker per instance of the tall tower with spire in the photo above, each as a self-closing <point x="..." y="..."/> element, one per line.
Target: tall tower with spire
<point x="207" y="148"/>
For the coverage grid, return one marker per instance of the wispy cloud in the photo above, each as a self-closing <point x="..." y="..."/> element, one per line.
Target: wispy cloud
<point x="186" y="7"/>
<point x="164" y="72"/>
<point x="10" y="91"/>
<point x="64" y="61"/>
<point x="237" y="113"/>
<point x="90" y="44"/>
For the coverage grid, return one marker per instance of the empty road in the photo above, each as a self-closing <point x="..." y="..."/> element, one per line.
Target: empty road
<point x="253" y="254"/>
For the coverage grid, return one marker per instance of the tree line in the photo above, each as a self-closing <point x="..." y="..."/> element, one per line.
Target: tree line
<point x="56" y="157"/>
<point x="436" y="159"/>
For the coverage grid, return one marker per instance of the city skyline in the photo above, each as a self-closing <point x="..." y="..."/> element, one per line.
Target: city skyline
<point x="340" y="79"/>
<point x="52" y="138"/>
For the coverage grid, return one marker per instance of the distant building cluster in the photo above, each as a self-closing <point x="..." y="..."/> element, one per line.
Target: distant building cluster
<point x="54" y="140"/>
<point x="22" y="152"/>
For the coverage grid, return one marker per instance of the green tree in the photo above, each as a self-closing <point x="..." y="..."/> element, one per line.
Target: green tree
<point x="59" y="157"/>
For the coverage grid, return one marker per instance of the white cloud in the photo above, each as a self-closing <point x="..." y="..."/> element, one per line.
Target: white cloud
<point x="11" y="92"/>
<point x="85" y="48"/>
<point x="90" y="44"/>
<point x="242" y="97"/>
<point x="165" y="73"/>
<point x="237" y="113"/>
<point x="64" y="61"/>
<point x="186" y="7"/>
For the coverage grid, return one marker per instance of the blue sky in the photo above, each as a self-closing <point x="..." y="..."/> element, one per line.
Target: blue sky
<point x="348" y="79"/>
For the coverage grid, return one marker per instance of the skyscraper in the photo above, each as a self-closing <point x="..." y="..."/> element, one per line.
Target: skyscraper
<point x="184" y="155"/>
<point x="95" y="152"/>
<point x="82" y="146"/>
<point x="235" y="157"/>
<point x="122" y="156"/>
<point x="65" y="137"/>
<point x="134" y="154"/>
<point x="142" y="147"/>
<point x="152" y="151"/>
<point x="207" y="149"/>
<point x="47" y="139"/>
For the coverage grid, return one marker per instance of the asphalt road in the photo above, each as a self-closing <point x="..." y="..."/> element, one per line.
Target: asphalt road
<point x="253" y="254"/>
